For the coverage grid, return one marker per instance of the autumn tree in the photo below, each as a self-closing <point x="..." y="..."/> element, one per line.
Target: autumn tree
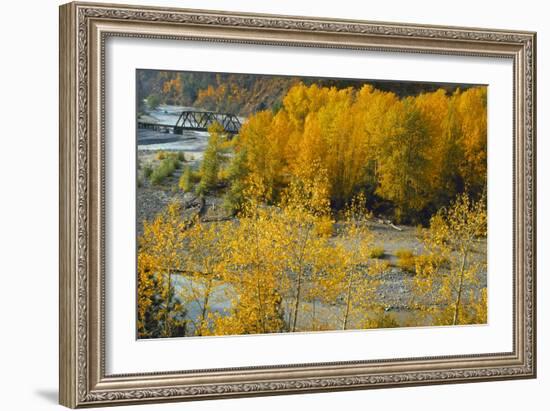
<point x="350" y="275"/>
<point x="236" y="173"/>
<point x="252" y="271"/>
<point x="201" y="271"/>
<point x="443" y="150"/>
<point x="172" y="86"/>
<point x="148" y="297"/>
<point x="370" y="129"/>
<point x="471" y="110"/>
<point x="214" y="156"/>
<point x="415" y="152"/>
<point x="153" y="101"/>
<point x="450" y="273"/>
<point x="159" y="257"/>
<point x="262" y="159"/>
<point x="305" y="208"/>
<point x="187" y="179"/>
<point x="403" y="160"/>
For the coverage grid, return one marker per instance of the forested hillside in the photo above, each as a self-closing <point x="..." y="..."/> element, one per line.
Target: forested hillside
<point x="244" y="94"/>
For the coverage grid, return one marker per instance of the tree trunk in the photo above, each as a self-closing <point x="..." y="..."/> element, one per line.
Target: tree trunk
<point x="460" y="286"/>
<point x="261" y="316"/>
<point x="313" y="317"/>
<point x="167" y="330"/>
<point x="348" y="302"/>
<point x="297" y="302"/>
<point x="299" y="280"/>
<point x="205" y="305"/>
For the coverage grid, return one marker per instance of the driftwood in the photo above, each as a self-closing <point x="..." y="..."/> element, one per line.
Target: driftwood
<point x="192" y="203"/>
<point x="389" y="223"/>
<point x="395" y="227"/>
<point x="199" y="203"/>
<point x="216" y="219"/>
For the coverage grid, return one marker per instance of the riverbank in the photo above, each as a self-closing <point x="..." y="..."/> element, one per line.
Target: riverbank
<point x="394" y="294"/>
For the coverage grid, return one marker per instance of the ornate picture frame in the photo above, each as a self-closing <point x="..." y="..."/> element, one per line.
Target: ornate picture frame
<point x="84" y="30"/>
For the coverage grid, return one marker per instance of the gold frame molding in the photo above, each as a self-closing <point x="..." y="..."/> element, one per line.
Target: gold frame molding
<point x="84" y="28"/>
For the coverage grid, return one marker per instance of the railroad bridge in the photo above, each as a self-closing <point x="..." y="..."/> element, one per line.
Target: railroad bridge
<point x="197" y="121"/>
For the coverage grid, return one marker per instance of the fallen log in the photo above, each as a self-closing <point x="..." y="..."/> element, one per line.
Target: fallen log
<point x="395" y="227"/>
<point x="216" y="219"/>
<point x="191" y="203"/>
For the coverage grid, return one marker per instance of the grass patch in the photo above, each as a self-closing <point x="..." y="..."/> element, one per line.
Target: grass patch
<point x="426" y="263"/>
<point x="406" y="260"/>
<point x="165" y="169"/>
<point x="147" y="171"/>
<point x="178" y="155"/>
<point x="188" y="180"/>
<point x="376" y="252"/>
<point x="325" y="227"/>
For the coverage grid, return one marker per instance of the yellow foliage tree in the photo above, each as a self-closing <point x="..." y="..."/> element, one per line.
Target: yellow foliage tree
<point x="213" y="159"/>
<point x="471" y="109"/>
<point x="403" y="159"/>
<point x="202" y="267"/>
<point x="451" y="277"/>
<point x="252" y="271"/>
<point x="159" y="258"/>
<point x="417" y="152"/>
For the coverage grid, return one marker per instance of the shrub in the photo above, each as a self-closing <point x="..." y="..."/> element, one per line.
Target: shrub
<point x="324" y="227"/>
<point x="200" y="188"/>
<point x="405" y="260"/>
<point x="153" y="101"/>
<point x="161" y="155"/>
<point x="187" y="180"/>
<point x="147" y="170"/>
<point x="236" y="176"/>
<point x="379" y="267"/>
<point x="381" y="320"/>
<point x="181" y="156"/>
<point x="223" y="174"/>
<point x="429" y="263"/>
<point x="234" y="197"/>
<point x="425" y="263"/>
<point x="212" y="160"/>
<point x="376" y="252"/>
<point x="386" y="321"/>
<point x="166" y="168"/>
<point x="175" y="161"/>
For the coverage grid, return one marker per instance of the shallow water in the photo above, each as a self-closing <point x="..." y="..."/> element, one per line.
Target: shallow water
<point x="193" y="142"/>
<point x="328" y="315"/>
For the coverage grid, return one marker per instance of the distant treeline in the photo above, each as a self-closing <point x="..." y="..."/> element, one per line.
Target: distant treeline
<point x="245" y="94"/>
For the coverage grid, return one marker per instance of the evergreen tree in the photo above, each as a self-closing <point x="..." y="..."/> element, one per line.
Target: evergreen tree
<point x="213" y="159"/>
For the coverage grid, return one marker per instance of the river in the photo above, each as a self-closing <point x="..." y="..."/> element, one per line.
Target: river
<point x="191" y="142"/>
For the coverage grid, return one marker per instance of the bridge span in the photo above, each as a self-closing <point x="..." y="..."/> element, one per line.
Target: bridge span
<point x="197" y="121"/>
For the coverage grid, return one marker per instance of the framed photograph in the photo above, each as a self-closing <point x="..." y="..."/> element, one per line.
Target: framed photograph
<point x="259" y="204"/>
